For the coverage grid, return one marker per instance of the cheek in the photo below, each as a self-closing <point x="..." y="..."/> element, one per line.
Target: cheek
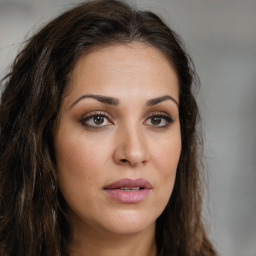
<point x="167" y="154"/>
<point x="166" y="160"/>
<point x="80" y="155"/>
<point x="80" y="165"/>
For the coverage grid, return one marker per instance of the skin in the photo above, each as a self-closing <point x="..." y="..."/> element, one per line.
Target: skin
<point x="126" y="143"/>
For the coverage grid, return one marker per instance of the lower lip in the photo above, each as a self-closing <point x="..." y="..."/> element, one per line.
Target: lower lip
<point x="128" y="197"/>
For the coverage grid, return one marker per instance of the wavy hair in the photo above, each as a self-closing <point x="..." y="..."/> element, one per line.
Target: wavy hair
<point x="33" y="217"/>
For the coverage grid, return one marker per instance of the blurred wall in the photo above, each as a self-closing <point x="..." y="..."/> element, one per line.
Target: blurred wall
<point x="221" y="37"/>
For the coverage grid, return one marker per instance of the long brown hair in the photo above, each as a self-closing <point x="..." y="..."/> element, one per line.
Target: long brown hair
<point x="33" y="217"/>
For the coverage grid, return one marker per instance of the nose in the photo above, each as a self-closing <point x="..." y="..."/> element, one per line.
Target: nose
<point x="131" y="148"/>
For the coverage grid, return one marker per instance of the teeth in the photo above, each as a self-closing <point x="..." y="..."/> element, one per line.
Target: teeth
<point x="133" y="188"/>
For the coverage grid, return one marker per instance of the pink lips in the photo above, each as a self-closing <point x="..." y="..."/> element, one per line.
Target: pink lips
<point x="129" y="191"/>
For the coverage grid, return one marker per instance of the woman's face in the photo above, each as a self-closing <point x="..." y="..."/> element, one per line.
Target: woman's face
<point x="118" y="142"/>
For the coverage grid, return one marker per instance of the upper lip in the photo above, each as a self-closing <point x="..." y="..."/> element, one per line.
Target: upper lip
<point x="129" y="183"/>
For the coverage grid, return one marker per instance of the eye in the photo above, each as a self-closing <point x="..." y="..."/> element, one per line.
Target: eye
<point x="96" y="120"/>
<point x="159" y="120"/>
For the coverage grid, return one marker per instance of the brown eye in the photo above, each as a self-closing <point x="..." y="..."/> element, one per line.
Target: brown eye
<point x="95" y="120"/>
<point x="159" y="120"/>
<point x="156" y="120"/>
<point x="98" y="120"/>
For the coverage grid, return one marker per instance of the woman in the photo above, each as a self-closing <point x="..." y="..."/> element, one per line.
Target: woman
<point x="99" y="152"/>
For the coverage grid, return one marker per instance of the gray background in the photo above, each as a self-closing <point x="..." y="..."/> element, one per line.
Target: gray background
<point x="221" y="37"/>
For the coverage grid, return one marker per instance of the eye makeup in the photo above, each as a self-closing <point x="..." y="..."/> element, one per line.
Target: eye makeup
<point x="101" y="119"/>
<point x="159" y="120"/>
<point x="96" y="120"/>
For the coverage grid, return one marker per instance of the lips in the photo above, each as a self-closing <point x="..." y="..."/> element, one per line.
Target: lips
<point x="129" y="191"/>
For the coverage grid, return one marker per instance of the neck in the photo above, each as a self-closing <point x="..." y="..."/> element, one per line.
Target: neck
<point x="108" y="244"/>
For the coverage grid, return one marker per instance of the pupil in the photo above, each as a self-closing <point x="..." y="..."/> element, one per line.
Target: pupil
<point x="98" y="119"/>
<point x="156" y="120"/>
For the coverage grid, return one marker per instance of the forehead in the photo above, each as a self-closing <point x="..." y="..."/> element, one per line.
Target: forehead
<point x="136" y="68"/>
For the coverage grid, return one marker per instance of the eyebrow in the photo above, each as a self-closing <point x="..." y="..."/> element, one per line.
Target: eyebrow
<point x="155" y="101"/>
<point x="115" y="102"/>
<point x="100" y="98"/>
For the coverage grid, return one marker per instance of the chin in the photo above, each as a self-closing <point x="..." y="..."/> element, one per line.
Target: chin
<point x="130" y="222"/>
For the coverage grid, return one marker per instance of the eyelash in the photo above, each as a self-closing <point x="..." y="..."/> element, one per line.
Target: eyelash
<point x="95" y="114"/>
<point x="162" y="115"/>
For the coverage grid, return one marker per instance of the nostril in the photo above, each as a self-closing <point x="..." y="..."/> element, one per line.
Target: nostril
<point x="123" y="160"/>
